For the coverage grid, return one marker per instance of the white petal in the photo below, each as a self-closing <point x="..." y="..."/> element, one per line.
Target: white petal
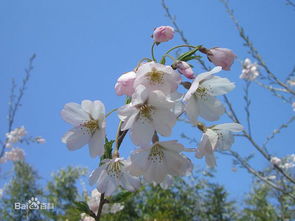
<point x="172" y="145"/>
<point x="234" y="127"/>
<point x="74" y="114"/>
<point x="95" y="175"/>
<point x="218" y="86"/>
<point x="204" y="147"/>
<point x="129" y="182"/>
<point x="156" y="171"/>
<point x="142" y="132"/>
<point x="76" y="138"/>
<point x="139" y="161"/>
<point x="158" y="100"/>
<point x="225" y="139"/>
<point x="212" y="137"/>
<point x="96" y="108"/>
<point x="192" y="109"/>
<point x="96" y="144"/>
<point x="177" y="164"/>
<point x="163" y="122"/>
<point x="210" y="160"/>
<point x="210" y="108"/>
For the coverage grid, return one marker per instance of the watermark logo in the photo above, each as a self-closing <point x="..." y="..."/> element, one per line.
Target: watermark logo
<point x="33" y="204"/>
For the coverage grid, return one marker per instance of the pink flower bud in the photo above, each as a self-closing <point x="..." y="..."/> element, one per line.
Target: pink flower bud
<point x="163" y="33"/>
<point x="185" y="69"/>
<point x="124" y="84"/>
<point x="221" y="57"/>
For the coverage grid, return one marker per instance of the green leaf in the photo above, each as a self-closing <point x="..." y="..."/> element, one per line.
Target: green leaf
<point x="163" y="60"/>
<point x="83" y="208"/>
<point x="188" y="58"/>
<point x="120" y="197"/>
<point x="108" y="147"/>
<point x="188" y="54"/>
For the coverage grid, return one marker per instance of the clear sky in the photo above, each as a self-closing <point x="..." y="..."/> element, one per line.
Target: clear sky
<point x="82" y="47"/>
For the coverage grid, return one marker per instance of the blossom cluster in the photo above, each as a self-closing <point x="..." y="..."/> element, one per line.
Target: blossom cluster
<point x="18" y="135"/>
<point x="154" y="104"/>
<point x="250" y="70"/>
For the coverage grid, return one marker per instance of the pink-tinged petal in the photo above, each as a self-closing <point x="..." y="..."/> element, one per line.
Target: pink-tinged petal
<point x="96" y="143"/>
<point x="163" y="34"/>
<point x="124" y="84"/>
<point x="222" y="57"/>
<point x="141" y="133"/>
<point x="74" y="114"/>
<point x="76" y="138"/>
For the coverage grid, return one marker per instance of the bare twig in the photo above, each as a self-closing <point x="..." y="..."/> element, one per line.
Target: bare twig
<point x="247" y="107"/>
<point x="253" y="50"/>
<point x="172" y="18"/>
<point x="15" y="101"/>
<point x="289" y="2"/>
<point x="278" y="130"/>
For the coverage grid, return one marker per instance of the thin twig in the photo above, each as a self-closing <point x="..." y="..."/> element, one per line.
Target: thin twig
<point x="253" y="50"/>
<point x="247" y="107"/>
<point x="15" y="101"/>
<point x="278" y="130"/>
<point x="289" y="2"/>
<point x="172" y="18"/>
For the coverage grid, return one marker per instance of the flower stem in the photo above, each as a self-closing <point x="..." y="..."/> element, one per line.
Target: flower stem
<point x="153" y="55"/>
<point x="112" y="111"/>
<point x="180" y="46"/>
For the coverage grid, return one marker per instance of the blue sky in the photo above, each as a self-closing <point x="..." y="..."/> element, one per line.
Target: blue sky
<point x="82" y="47"/>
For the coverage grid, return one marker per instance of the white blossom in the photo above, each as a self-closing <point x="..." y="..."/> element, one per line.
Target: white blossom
<point x="275" y="160"/>
<point x="94" y="200"/>
<point x="155" y="76"/>
<point x="216" y="137"/>
<point x="157" y="161"/>
<point x="147" y="113"/>
<point x="88" y="120"/>
<point x="111" y="174"/>
<point x="15" y="136"/>
<point x="40" y="140"/>
<point x="250" y="70"/>
<point x="15" y="154"/>
<point x="200" y="99"/>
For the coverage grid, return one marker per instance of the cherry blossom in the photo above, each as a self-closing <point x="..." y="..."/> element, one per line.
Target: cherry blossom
<point x="155" y="76"/>
<point x="124" y="84"/>
<point x="94" y="200"/>
<point x="15" y="136"/>
<point x="112" y="174"/>
<point x="200" y="99"/>
<point x="250" y="70"/>
<point x="15" y="154"/>
<point x="223" y="57"/>
<point x="185" y="69"/>
<point x="88" y="119"/>
<point x="147" y="113"/>
<point x="217" y="137"/>
<point x="157" y="161"/>
<point x="163" y="34"/>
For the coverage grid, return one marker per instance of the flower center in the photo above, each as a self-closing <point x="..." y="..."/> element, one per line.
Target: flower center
<point x="114" y="169"/>
<point x="91" y="125"/>
<point x="201" y="92"/>
<point x="145" y="110"/>
<point x="155" y="76"/>
<point x="156" y="154"/>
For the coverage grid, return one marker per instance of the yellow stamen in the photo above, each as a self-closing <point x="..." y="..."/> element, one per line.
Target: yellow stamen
<point x="155" y="76"/>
